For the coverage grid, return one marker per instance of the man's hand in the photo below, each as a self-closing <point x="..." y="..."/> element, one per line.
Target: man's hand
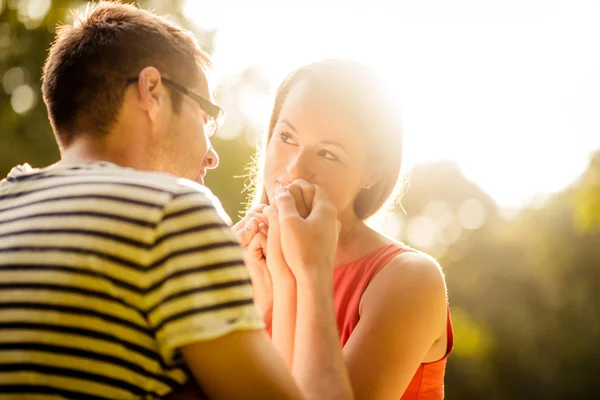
<point x="308" y="244"/>
<point x="303" y="193"/>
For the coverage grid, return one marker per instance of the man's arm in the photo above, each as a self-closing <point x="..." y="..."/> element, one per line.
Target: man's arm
<point x="240" y="365"/>
<point x="318" y="363"/>
<point x="199" y="305"/>
<point x="309" y="245"/>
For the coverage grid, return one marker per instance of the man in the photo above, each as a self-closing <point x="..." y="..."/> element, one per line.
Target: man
<point x="119" y="280"/>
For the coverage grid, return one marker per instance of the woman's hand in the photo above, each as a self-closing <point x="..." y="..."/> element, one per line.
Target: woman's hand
<point x="252" y="232"/>
<point x="253" y="221"/>
<point x="303" y="194"/>
<point x="307" y="243"/>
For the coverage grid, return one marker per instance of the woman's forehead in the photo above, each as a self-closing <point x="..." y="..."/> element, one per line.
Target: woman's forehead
<point x="310" y="110"/>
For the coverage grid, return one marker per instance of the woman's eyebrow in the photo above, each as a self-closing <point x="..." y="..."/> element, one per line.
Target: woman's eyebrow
<point x="288" y="123"/>
<point x="341" y="146"/>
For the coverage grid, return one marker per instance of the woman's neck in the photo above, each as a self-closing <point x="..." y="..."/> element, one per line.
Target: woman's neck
<point x="356" y="239"/>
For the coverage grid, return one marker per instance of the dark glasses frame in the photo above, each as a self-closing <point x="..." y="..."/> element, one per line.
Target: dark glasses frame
<point x="211" y="109"/>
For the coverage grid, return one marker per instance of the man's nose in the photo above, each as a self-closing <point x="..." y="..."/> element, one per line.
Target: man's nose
<point x="212" y="159"/>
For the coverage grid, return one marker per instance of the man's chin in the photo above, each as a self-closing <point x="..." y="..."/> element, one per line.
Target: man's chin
<point x="199" y="178"/>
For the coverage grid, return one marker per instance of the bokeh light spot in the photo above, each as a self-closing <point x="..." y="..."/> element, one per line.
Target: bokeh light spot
<point x="471" y="214"/>
<point x="37" y="9"/>
<point x="13" y="78"/>
<point x="22" y="99"/>
<point x="422" y="232"/>
<point x="436" y="209"/>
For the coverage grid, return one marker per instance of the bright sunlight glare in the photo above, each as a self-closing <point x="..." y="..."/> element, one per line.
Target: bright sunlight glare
<point x="508" y="90"/>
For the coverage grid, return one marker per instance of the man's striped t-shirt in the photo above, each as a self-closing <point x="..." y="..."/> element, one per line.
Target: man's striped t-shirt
<point x="104" y="273"/>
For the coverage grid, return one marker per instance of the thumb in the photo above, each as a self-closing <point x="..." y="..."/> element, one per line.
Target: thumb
<point x="321" y="204"/>
<point x="272" y="215"/>
<point x="286" y="205"/>
<point x="320" y="197"/>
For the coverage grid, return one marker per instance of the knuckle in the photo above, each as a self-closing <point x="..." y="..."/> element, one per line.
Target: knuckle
<point x="329" y="209"/>
<point x="290" y="219"/>
<point x="284" y="198"/>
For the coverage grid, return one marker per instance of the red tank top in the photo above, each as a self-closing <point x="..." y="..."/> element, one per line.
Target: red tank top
<point x="350" y="282"/>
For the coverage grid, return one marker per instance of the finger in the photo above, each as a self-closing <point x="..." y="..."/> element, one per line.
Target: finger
<point x="259" y="217"/>
<point x="296" y="192"/>
<point x="308" y="192"/>
<point x="257" y="247"/>
<point x="262" y="239"/>
<point x="239" y="225"/>
<point x="263" y="228"/>
<point x="272" y="214"/>
<point x="286" y="205"/>
<point x="322" y="207"/>
<point x="247" y="233"/>
<point x="258" y="208"/>
<point x="246" y="218"/>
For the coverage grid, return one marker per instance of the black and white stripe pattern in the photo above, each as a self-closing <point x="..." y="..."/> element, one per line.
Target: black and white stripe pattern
<point x="104" y="273"/>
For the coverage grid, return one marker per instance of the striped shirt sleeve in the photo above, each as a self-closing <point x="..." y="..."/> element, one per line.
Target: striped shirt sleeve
<point x="198" y="286"/>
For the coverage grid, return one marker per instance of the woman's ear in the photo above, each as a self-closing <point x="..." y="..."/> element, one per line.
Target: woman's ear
<point x="372" y="178"/>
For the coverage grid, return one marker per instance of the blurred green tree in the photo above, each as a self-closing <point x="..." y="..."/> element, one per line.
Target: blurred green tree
<point x="525" y="290"/>
<point x="26" y="32"/>
<point x="587" y="197"/>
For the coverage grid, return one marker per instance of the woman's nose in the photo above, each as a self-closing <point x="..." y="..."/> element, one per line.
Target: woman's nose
<point x="300" y="167"/>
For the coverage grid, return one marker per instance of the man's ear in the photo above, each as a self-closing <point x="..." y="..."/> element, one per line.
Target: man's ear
<point x="150" y="88"/>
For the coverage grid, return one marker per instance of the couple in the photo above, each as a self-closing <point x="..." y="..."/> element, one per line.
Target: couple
<point x="120" y="280"/>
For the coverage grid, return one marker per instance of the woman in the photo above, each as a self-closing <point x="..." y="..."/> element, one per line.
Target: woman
<point x="331" y="126"/>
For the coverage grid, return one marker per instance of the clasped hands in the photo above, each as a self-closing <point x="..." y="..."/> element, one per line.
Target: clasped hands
<point x="293" y="238"/>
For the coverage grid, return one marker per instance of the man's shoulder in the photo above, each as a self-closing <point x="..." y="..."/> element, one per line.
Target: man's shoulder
<point x="183" y="193"/>
<point x="104" y="180"/>
<point x="160" y="181"/>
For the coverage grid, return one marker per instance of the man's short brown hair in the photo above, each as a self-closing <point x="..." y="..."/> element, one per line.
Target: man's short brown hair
<point x="85" y="74"/>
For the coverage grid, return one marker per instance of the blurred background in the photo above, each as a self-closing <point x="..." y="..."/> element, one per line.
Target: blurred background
<point x="501" y="110"/>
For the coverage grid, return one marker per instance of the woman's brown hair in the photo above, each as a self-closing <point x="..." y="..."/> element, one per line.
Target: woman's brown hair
<point x="355" y="89"/>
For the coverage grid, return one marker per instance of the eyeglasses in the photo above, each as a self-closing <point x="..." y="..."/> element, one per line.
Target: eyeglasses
<point x="215" y="113"/>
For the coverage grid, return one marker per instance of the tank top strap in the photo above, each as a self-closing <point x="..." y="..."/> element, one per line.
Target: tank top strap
<point x="373" y="263"/>
<point x="351" y="281"/>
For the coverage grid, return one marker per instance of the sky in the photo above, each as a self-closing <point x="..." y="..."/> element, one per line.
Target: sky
<point x="509" y="90"/>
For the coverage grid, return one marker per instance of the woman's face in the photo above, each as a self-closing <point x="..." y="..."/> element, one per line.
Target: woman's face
<point x="315" y="142"/>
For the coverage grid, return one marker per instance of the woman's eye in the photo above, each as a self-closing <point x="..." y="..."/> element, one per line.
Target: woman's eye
<point x="328" y="155"/>
<point x="286" y="138"/>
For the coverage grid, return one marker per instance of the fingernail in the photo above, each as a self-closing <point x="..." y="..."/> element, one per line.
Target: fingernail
<point x="281" y="189"/>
